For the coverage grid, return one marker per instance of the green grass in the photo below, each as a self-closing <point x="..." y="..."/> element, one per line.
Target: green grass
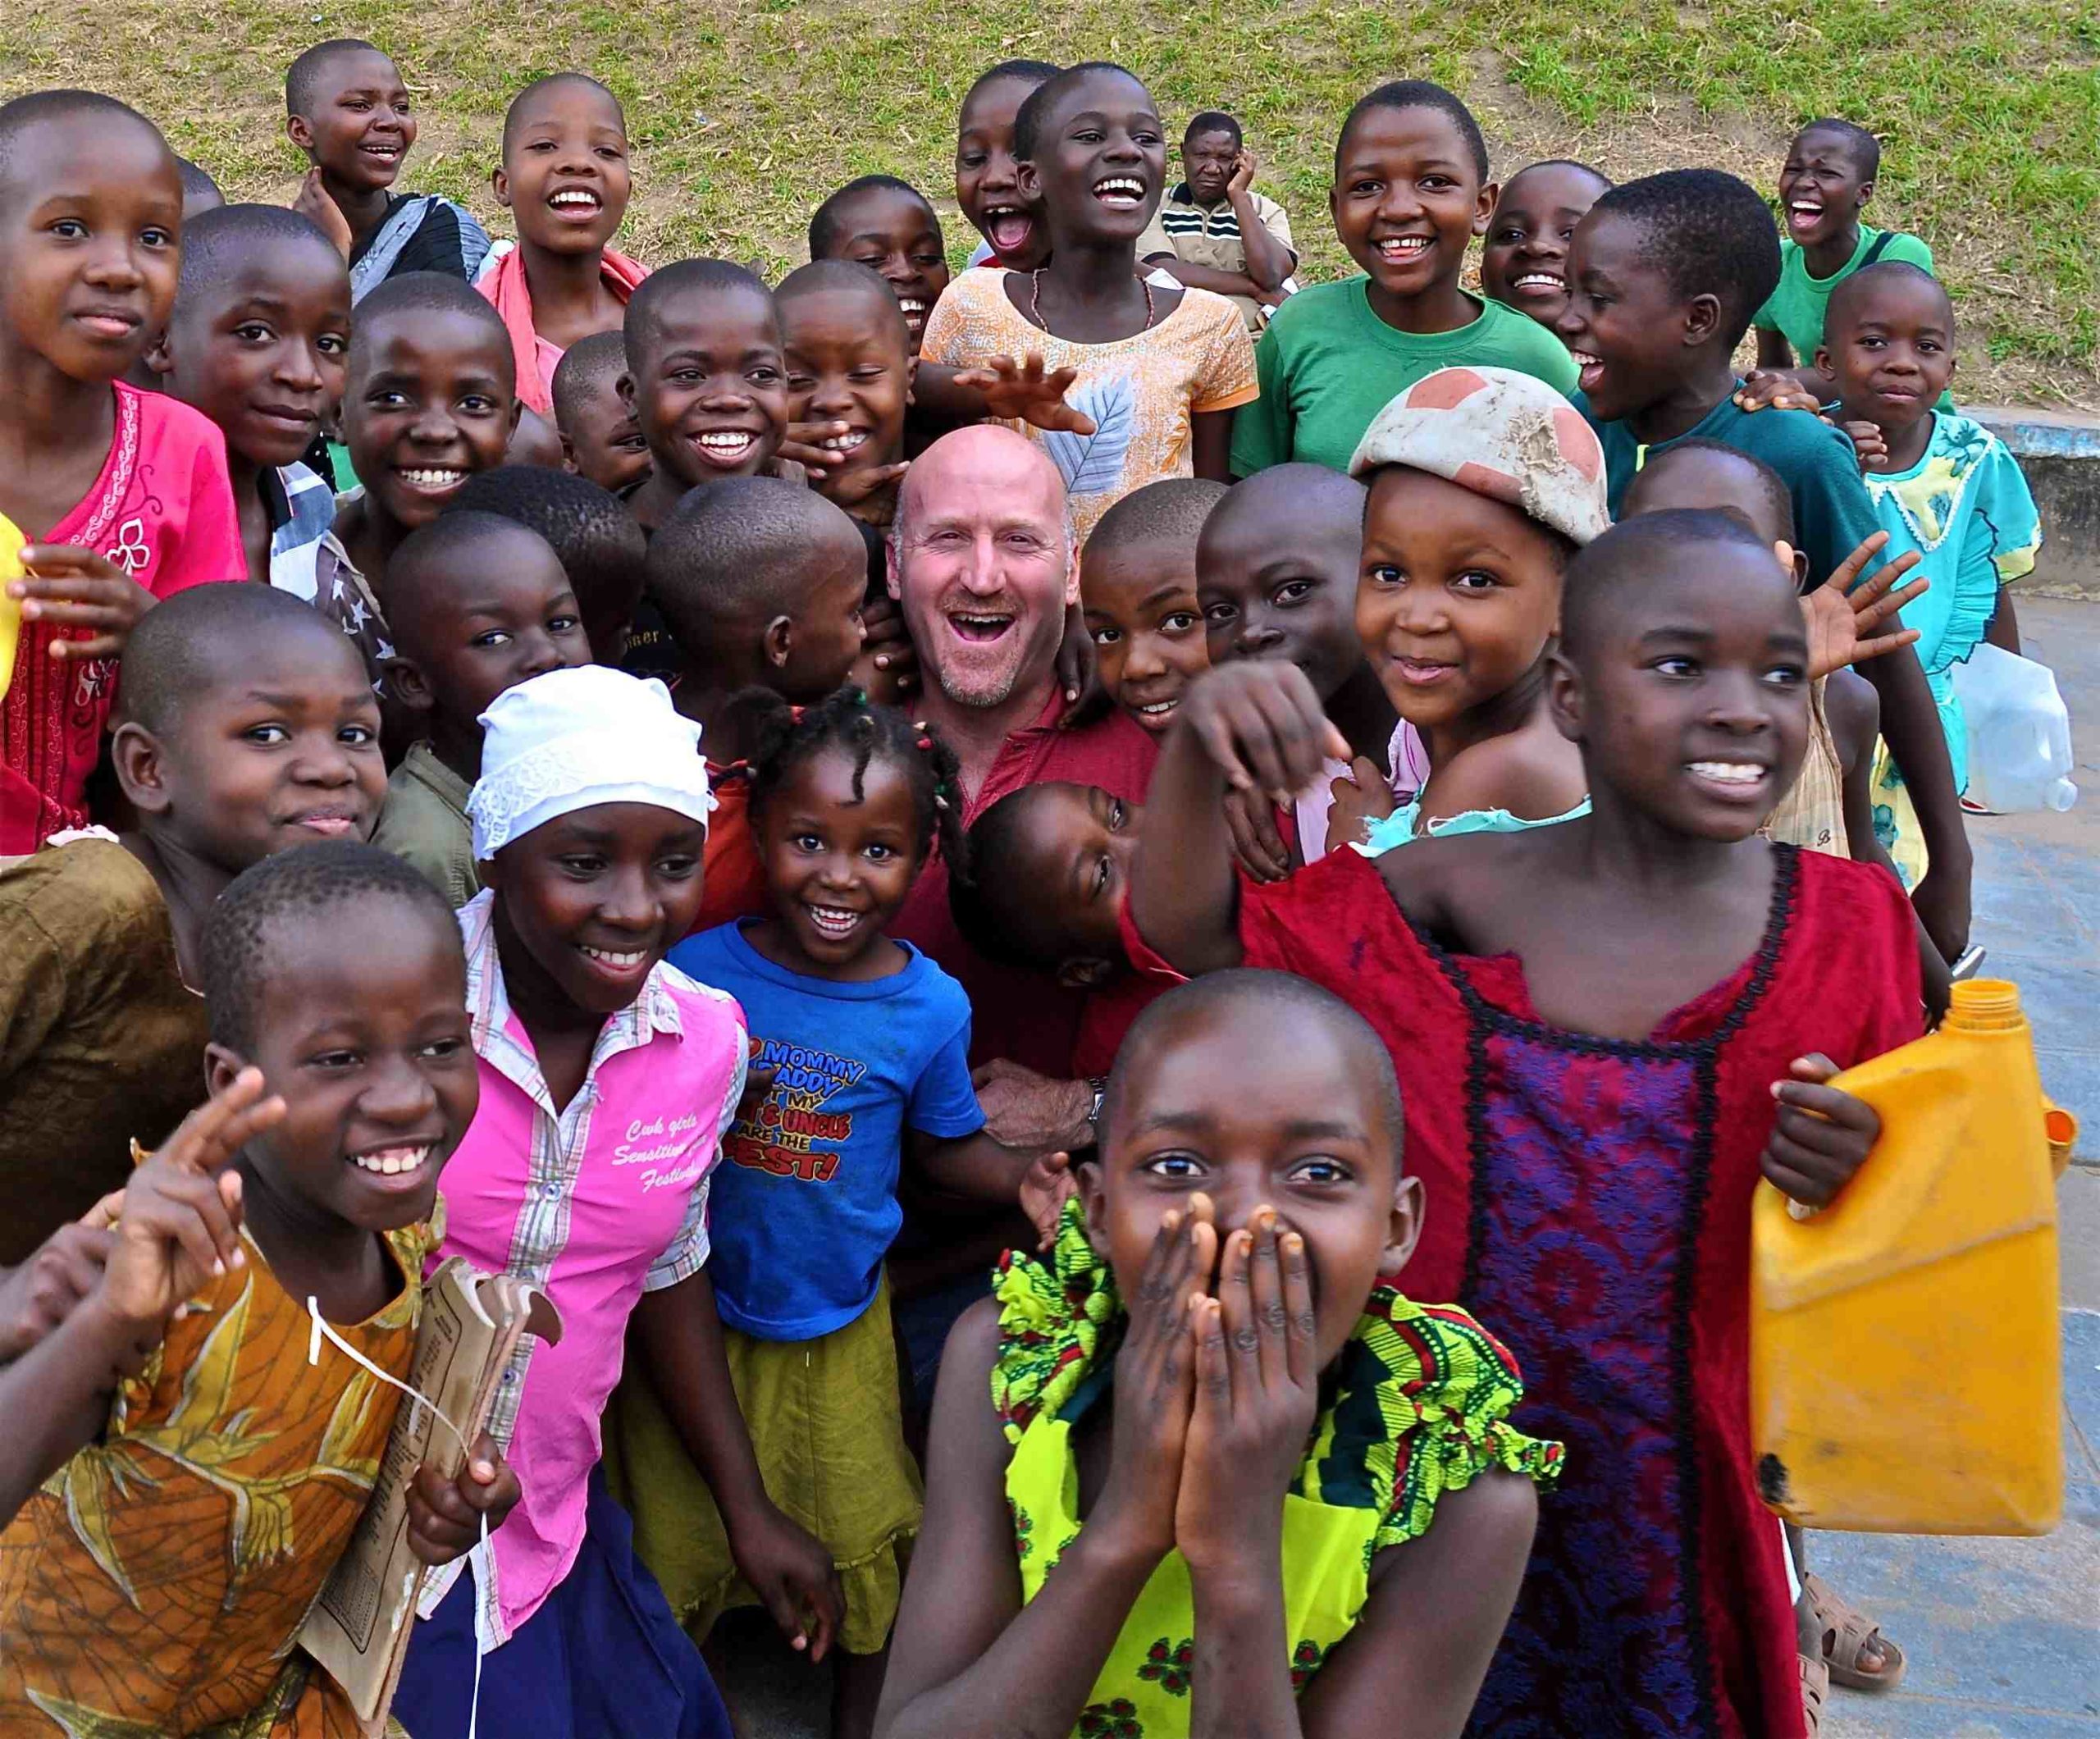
<point x="746" y="115"/>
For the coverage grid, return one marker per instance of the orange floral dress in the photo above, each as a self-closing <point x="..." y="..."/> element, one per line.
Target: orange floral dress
<point x="155" y="1584"/>
<point x="1142" y="392"/>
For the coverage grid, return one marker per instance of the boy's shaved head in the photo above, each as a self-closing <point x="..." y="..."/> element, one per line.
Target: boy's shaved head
<point x="523" y="103"/>
<point x="1607" y="577"/>
<point x="1414" y="94"/>
<point x="850" y="275"/>
<point x="42" y="108"/>
<point x="702" y="277"/>
<point x="415" y="293"/>
<point x="200" y="193"/>
<point x="827" y="228"/>
<point x="732" y="552"/>
<point x="1172" y="510"/>
<point x="1039" y="104"/>
<point x="1660" y="483"/>
<point x="304" y="888"/>
<point x="1284" y="493"/>
<point x="1025" y="72"/>
<point x="218" y="243"/>
<point x="585" y="367"/>
<point x="1269" y="997"/>
<point x="448" y="553"/>
<point x="184" y="645"/>
<point x="1707" y="233"/>
<point x="600" y="547"/>
<point x="305" y="77"/>
<point x="1860" y="145"/>
<point x="1854" y="295"/>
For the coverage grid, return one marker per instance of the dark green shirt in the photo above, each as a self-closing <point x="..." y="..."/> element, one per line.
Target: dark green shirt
<point x="1833" y="515"/>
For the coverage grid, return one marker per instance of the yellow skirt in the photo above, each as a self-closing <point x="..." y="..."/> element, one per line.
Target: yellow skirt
<point x="825" y="1424"/>
<point x="1895" y="821"/>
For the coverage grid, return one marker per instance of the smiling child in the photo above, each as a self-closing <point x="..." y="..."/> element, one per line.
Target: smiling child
<point x="1825" y="186"/>
<point x="1654" y="953"/>
<point x="1278" y="564"/>
<point x="243" y="1451"/>
<point x="1158" y="369"/>
<point x="1138" y="597"/>
<point x="247" y="725"/>
<point x="706" y="380"/>
<point x="889" y="226"/>
<point x="348" y="109"/>
<point x="1524" y="259"/>
<point x="428" y="401"/>
<point x="259" y="342"/>
<point x="564" y="180"/>
<point x="869" y="1041"/>
<point x="987" y="182"/>
<point x="1411" y="190"/>
<point x="123" y="495"/>
<point x="608" y="1079"/>
<point x="850" y="369"/>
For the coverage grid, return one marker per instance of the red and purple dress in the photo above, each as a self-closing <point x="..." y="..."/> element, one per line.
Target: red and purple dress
<point x="1590" y="1198"/>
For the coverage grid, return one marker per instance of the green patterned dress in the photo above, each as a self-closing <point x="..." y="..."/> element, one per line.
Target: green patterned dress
<point x="1420" y="1407"/>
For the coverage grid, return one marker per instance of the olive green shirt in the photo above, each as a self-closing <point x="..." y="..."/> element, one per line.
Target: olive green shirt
<point x="101" y="1041"/>
<point x="424" y="824"/>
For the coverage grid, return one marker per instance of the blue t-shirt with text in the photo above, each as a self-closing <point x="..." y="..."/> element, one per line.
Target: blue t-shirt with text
<point x="804" y="1207"/>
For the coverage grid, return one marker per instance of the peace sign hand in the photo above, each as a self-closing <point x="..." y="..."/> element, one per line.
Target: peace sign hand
<point x="181" y="1223"/>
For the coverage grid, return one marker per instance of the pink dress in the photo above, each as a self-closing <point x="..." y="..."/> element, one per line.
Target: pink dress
<point x="162" y="510"/>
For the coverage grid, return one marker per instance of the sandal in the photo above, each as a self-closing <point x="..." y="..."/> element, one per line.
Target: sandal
<point x="1846" y="1633"/>
<point x="1815" y="1690"/>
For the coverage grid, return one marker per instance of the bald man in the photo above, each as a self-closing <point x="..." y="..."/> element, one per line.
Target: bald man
<point x="982" y="567"/>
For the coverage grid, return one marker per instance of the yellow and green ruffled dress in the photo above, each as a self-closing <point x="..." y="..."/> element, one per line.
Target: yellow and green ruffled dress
<point x="1421" y="1404"/>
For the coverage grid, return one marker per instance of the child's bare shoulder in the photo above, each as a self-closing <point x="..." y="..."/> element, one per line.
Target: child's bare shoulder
<point x="1533" y="774"/>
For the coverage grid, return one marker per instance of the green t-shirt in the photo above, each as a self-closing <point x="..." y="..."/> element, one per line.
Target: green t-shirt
<point x="1833" y="515"/>
<point x="1328" y="365"/>
<point x="1797" y="308"/>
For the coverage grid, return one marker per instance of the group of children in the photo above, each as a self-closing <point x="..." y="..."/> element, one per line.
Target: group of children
<point x="1558" y="782"/>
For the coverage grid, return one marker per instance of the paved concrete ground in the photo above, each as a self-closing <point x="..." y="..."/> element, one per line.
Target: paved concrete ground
<point x="2003" y="1636"/>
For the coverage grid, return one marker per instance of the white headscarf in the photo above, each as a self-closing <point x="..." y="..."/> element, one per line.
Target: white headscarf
<point x="573" y="739"/>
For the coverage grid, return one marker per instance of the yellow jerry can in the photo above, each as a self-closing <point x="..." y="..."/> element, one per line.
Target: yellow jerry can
<point x="1905" y="1368"/>
<point x="11" y="608"/>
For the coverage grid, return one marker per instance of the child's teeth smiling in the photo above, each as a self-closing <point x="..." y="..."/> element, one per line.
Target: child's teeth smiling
<point x="726" y="446"/>
<point x="834" y="920"/>
<point x="1728" y="773"/>
<point x="392" y="1162"/>
<point x="575" y="199"/>
<point x="1006" y="226"/>
<point x="1540" y="281"/>
<point x="1398" y="249"/>
<point x="433" y="479"/>
<point x="1124" y="191"/>
<point x="849" y="442"/>
<point x="618" y="960"/>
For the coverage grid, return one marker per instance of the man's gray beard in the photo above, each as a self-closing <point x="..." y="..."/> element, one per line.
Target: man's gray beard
<point x="996" y="692"/>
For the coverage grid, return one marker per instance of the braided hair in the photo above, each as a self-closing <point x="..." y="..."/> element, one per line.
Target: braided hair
<point x="786" y="736"/>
